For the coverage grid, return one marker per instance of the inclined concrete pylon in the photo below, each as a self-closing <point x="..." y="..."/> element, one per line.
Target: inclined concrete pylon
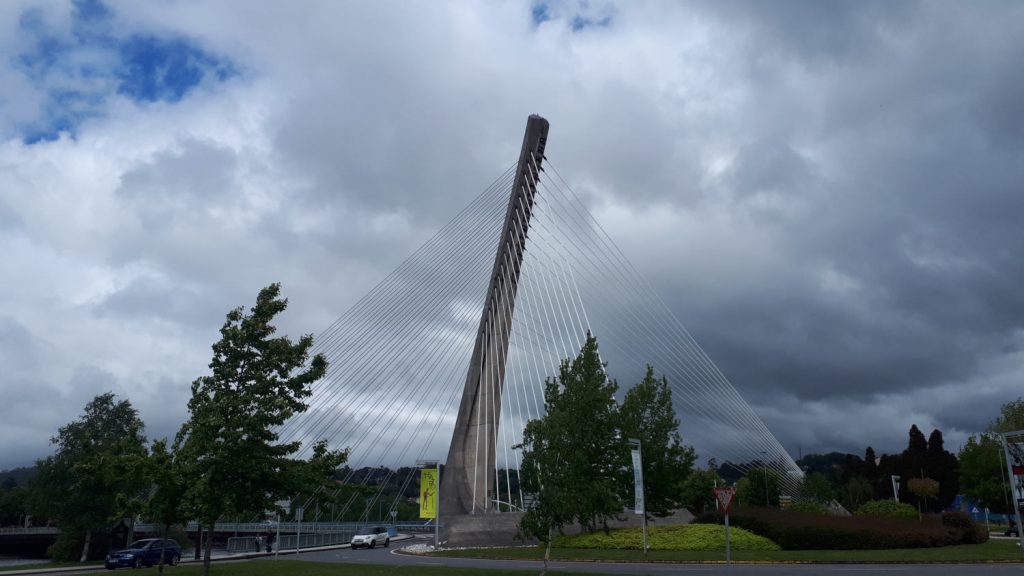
<point x="468" y="481"/>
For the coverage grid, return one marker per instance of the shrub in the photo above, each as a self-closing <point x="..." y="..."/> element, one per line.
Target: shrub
<point x="688" y="537"/>
<point x="69" y="543"/>
<point x="887" y="508"/>
<point x="809" y="507"/>
<point x="740" y="518"/>
<point x="807" y="531"/>
<point x="67" y="547"/>
<point x="970" y="531"/>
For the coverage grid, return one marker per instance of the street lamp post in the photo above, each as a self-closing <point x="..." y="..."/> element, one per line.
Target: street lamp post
<point x="764" y="462"/>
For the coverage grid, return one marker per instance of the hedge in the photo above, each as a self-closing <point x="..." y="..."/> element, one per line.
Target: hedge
<point x="806" y="531"/>
<point x="889" y="508"/>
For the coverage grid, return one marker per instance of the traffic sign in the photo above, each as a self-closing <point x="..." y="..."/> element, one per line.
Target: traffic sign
<point x="724" y="495"/>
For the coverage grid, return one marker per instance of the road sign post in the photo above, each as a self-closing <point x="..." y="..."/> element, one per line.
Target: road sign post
<point x="724" y="496"/>
<point x="298" y="527"/>
<point x="1013" y="450"/>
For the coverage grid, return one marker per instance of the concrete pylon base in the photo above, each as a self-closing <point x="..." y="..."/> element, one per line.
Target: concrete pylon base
<point x="478" y="530"/>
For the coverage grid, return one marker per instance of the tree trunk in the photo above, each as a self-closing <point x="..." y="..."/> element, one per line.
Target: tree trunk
<point x="208" y="546"/>
<point x="85" y="547"/>
<point x="547" y="554"/>
<point x="160" y="566"/>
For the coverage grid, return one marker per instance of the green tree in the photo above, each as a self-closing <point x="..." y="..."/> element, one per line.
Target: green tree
<point x="911" y="462"/>
<point x="164" y="507"/>
<point x="312" y="480"/>
<point x="98" y="463"/>
<point x="943" y="466"/>
<point x="856" y="492"/>
<point x="817" y="487"/>
<point x="231" y="457"/>
<point x="13" y="502"/>
<point x="763" y="483"/>
<point x="647" y="414"/>
<point x="744" y="493"/>
<point x="982" y="472"/>
<point x="697" y="491"/>
<point x="1011" y="417"/>
<point x="870" y="465"/>
<point x="571" y="455"/>
<point x="923" y="489"/>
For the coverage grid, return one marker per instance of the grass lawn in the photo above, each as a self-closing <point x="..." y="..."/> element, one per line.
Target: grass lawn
<point x="993" y="550"/>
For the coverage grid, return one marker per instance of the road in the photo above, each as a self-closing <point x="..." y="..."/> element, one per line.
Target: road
<point x="391" y="556"/>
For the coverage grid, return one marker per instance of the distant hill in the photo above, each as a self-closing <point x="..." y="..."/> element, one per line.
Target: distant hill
<point x="20" y="476"/>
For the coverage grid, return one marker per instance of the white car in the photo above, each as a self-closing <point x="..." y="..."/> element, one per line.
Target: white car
<point x="371" y="537"/>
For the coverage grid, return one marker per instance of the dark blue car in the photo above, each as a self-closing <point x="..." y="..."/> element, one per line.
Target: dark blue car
<point x="144" y="553"/>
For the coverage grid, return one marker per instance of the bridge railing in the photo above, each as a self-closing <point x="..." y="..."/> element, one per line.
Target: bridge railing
<point x="31" y="530"/>
<point x="292" y="527"/>
<point x="315" y="539"/>
<point x="287" y="529"/>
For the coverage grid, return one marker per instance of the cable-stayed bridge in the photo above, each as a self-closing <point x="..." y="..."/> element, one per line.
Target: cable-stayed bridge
<point x="446" y="358"/>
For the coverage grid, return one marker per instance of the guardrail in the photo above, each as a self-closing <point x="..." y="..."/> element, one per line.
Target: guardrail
<point x="314" y="540"/>
<point x="264" y="527"/>
<point x="30" y="530"/>
<point x="242" y="544"/>
<point x="254" y="527"/>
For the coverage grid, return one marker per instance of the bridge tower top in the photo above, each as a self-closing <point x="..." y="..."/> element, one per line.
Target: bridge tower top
<point x="469" y="476"/>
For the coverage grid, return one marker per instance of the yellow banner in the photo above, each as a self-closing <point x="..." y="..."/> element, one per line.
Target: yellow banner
<point x="428" y="493"/>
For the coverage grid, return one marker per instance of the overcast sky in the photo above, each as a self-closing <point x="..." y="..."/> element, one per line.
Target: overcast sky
<point x="828" y="194"/>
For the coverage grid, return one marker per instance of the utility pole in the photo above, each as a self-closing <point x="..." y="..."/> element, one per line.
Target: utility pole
<point x="764" y="463"/>
<point x="277" y="540"/>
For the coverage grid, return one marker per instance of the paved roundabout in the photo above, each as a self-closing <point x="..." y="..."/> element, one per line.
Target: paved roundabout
<point x="394" y="556"/>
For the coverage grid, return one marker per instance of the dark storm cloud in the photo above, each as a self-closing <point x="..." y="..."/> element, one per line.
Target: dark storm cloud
<point x="901" y="273"/>
<point x="827" y="194"/>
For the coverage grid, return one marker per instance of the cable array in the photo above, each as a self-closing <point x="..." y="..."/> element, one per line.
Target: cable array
<point x="398" y="359"/>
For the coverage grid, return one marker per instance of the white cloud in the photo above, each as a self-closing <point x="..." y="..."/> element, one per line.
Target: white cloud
<point x="763" y="177"/>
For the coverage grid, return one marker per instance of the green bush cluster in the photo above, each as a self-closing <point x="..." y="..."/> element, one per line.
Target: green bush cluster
<point x="688" y="537"/>
<point x="887" y="508"/>
<point x="973" y="533"/>
<point x="809" y="507"/>
<point x="806" y="531"/>
<point x="69" y="543"/>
